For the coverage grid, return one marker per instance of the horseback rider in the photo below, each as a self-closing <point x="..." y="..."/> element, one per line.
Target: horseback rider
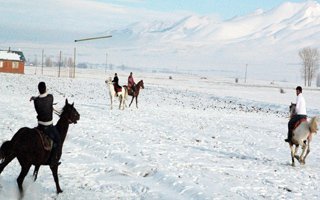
<point x="300" y="112"/>
<point x="43" y="105"/>
<point x="131" y="83"/>
<point x="115" y="82"/>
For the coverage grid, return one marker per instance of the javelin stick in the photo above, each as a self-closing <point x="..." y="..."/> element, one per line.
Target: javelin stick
<point x="94" y="38"/>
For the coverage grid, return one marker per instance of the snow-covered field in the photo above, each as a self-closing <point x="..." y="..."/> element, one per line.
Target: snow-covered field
<point x="191" y="138"/>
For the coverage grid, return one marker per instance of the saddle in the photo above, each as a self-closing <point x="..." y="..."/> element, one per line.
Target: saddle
<point x="298" y="123"/>
<point x="46" y="141"/>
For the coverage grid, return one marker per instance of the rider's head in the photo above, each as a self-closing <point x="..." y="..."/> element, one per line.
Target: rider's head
<point x="298" y="90"/>
<point x="42" y="87"/>
<point x="130" y="73"/>
<point x="115" y="74"/>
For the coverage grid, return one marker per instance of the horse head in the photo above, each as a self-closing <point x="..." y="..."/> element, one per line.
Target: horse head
<point x="109" y="81"/>
<point x="141" y="84"/>
<point x="70" y="112"/>
<point x="292" y="110"/>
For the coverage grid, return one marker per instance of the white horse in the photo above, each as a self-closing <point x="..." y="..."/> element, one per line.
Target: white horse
<point x="302" y="135"/>
<point x="123" y="95"/>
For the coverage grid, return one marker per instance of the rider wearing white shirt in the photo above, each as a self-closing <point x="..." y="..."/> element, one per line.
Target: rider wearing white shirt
<point x="301" y="105"/>
<point x="301" y="112"/>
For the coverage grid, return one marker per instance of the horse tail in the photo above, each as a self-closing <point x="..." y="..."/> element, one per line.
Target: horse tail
<point x="6" y="149"/>
<point x="313" y="125"/>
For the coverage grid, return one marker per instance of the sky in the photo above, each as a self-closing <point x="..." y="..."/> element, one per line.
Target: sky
<point x="55" y="19"/>
<point x="225" y="9"/>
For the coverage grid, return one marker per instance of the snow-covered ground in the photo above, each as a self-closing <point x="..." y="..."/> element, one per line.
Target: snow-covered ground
<point x="190" y="138"/>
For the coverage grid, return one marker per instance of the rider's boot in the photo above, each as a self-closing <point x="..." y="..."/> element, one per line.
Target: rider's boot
<point x="289" y="136"/>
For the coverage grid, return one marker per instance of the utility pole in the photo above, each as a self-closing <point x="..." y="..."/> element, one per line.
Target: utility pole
<point x="59" y="65"/>
<point x="36" y="63"/>
<point x="42" y="62"/>
<point x="74" y="63"/>
<point x="93" y="38"/>
<point x="245" y="76"/>
<point x="105" y="71"/>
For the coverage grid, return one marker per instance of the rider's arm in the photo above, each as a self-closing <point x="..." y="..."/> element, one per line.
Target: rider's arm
<point x="33" y="98"/>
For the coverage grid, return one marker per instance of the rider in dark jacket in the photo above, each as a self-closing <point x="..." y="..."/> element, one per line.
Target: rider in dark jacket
<point x="43" y="105"/>
<point x="116" y="83"/>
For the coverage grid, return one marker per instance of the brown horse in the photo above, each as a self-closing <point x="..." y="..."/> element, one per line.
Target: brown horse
<point x="27" y="147"/>
<point x="135" y="94"/>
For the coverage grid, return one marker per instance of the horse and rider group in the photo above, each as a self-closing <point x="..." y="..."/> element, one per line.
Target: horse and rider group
<point x="300" y="131"/>
<point x="131" y="89"/>
<point x="33" y="146"/>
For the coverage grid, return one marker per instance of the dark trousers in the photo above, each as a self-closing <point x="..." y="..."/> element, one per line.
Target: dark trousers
<point x="292" y="122"/>
<point x="52" y="132"/>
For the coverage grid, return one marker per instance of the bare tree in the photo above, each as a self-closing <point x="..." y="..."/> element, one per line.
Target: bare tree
<point x="310" y="62"/>
<point x="48" y="62"/>
<point x="318" y="80"/>
<point x="70" y="65"/>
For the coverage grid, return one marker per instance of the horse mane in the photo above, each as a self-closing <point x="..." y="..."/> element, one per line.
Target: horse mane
<point x="313" y="125"/>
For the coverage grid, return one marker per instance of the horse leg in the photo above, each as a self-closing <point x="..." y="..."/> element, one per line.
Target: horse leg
<point x="35" y="172"/>
<point x="131" y="101"/>
<point x="304" y="147"/>
<point x="111" y="102"/>
<point x="295" y="152"/>
<point x="308" y="151"/>
<point x="137" y="101"/>
<point x="292" y="154"/>
<point x="54" y="170"/>
<point x="120" y="100"/>
<point x="24" y="171"/>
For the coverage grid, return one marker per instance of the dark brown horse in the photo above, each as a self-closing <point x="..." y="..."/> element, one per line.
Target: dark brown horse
<point x="135" y="94"/>
<point x="27" y="147"/>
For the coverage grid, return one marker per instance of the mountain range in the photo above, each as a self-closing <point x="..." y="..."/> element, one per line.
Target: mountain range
<point x="265" y="41"/>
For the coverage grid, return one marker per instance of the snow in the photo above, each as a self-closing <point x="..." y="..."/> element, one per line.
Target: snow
<point x="190" y="138"/>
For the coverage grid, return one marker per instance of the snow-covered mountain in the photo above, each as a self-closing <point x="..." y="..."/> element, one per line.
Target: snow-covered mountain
<point x="264" y="39"/>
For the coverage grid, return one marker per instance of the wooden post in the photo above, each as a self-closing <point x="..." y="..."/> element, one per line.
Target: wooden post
<point x="74" y="63"/>
<point x="59" y="65"/>
<point x="245" y="76"/>
<point x="42" y="62"/>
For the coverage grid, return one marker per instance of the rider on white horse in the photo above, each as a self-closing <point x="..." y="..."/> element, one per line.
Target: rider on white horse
<point x="300" y="112"/>
<point x="115" y="82"/>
